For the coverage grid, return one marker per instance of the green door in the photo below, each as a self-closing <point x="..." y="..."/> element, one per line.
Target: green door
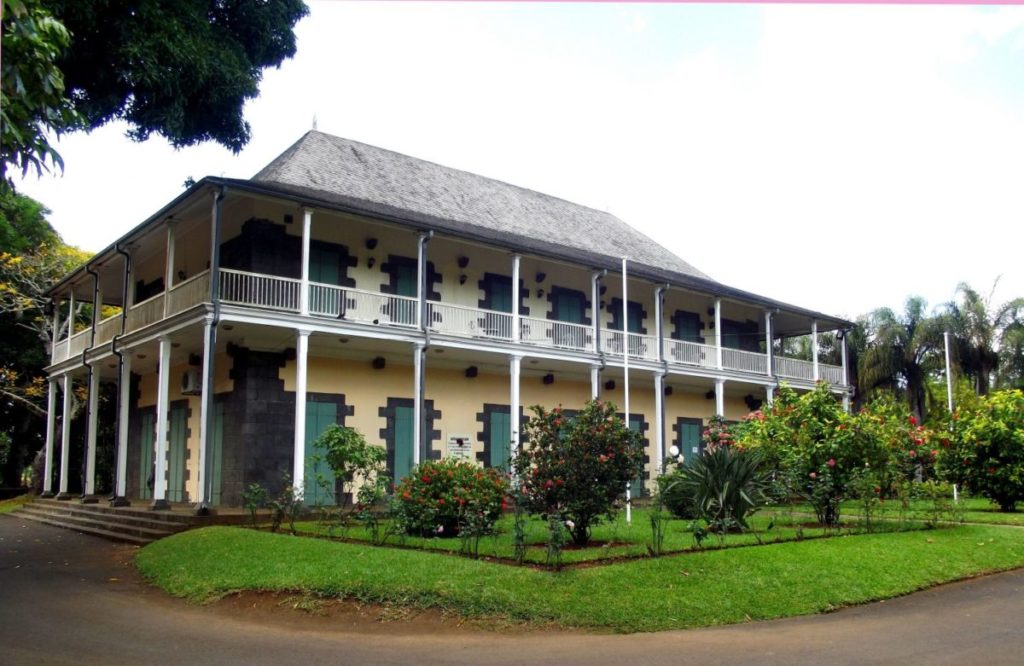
<point x="146" y="454"/>
<point x="405" y="279"/>
<point x="403" y="443"/>
<point x="323" y="265"/>
<point x="689" y="436"/>
<point x="501" y="435"/>
<point x="176" y="453"/>
<point x="215" y="464"/>
<point x="500" y="294"/>
<point x="637" y="488"/>
<point x="319" y="481"/>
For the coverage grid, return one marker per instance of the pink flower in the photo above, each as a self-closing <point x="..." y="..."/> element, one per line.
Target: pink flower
<point x="813" y="475"/>
<point x="831" y="462"/>
<point x="912" y="454"/>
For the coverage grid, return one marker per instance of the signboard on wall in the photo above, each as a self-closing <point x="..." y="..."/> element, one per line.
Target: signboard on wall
<point x="460" y="446"/>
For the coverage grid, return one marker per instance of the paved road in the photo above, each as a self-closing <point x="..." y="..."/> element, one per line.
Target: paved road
<point x="66" y="598"/>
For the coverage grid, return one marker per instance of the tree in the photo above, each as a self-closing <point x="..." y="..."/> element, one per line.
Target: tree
<point x="32" y="258"/>
<point x="901" y="351"/>
<point x="183" y="70"/>
<point x="577" y="468"/>
<point x="980" y="331"/>
<point x="32" y="93"/>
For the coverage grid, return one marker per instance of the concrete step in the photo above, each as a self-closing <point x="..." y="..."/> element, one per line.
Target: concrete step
<point x="85" y="520"/>
<point x="121" y="516"/>
<point x="107" y="534"/>
<point x="179" y="516"/>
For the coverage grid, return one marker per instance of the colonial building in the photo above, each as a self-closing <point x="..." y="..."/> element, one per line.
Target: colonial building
<point x="425" y="306"/>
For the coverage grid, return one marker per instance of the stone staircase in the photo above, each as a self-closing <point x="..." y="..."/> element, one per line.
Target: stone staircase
<point x="133" y="524"/>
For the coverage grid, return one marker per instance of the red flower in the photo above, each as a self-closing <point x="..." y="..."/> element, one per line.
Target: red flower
<point x="912" y="420"/>
<point x="991" y="470"/>
<point x="425" y="479"/>
<point x="831" y="462"/>
<point x="440" y="502"/>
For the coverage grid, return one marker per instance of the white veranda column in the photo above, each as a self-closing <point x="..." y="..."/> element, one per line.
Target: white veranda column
<point x="769" y="395"/>
<point x="299" y="444"/>
<point x="307" y="224"/>
<point x="162" y="406"/>
<point x="659" y="422"/>
<point x="514" y="365"/>
<point x="814" y="349"/>
<point x="51" y="426"/>
<point x="517" y="328"/>
<point x="205" y="405"/>
<point x="418" y="436"/>
<point x="65" y="436"/>
<point x="769" y="353"/>
<point x="90" y="441"/>
<point x="718" y="333"/>
<point x="595" y="382"/>
<point x="122" y="429"/>
<point x="169" y="268"/>
<point x="720" y="397"/>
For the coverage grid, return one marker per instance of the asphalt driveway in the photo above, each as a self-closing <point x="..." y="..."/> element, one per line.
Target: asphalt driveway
<point x="67" y="598"/>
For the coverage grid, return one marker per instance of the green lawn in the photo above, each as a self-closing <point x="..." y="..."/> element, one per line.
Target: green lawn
<point x="616" y="539"/>
<point x="673" y="592"/>
<point x="8" y="505"/>
<point x="975" y="510"/>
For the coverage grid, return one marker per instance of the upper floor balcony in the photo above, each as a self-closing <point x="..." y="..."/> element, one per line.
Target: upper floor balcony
<point x="368" y="308"/>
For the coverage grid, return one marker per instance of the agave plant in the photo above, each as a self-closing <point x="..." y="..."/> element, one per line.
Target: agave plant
<point x="724" y="486"/>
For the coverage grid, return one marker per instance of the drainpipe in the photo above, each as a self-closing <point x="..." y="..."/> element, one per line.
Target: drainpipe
<point x="211" y="342"/>
<point x="115" y="499"/>
<point x="595" y="299"/>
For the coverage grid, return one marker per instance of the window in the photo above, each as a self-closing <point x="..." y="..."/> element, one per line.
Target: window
<point x="686" y="326"/>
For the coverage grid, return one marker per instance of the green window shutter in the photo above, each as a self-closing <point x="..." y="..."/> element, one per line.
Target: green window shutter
<point x="635" y="312"/>
<point x="500" y="294"/>
<point x="403" y="442"/>
<point x="500" y="444"/>
<point x="319" y="417"/>
<point x="569" y="307"/>
<point x="146" y="438"/>
<point x="176" y="454"/>
<point x="689" y="436"/>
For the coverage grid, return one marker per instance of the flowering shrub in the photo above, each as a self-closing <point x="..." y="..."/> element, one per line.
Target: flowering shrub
<point x="813" y="446"/>
<point x="441" y="497"/>
<point x="911" y="448"/>
<point x="577" y="468"/>
<point x="986" y="452"/>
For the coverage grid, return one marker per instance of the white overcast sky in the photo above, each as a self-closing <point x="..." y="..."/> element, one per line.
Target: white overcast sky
<point x="839" y="158"/>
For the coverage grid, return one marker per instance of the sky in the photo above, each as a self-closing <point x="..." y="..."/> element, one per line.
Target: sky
<point x="839" y="158"/>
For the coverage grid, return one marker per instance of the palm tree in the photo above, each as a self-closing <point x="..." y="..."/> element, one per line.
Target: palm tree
<point x="900" y="352"/>
<point x="981" y="332"/>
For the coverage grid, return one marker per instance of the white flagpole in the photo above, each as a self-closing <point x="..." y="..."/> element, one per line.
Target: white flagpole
<point x="625" y="368"/>
<point x="949" y="375"/>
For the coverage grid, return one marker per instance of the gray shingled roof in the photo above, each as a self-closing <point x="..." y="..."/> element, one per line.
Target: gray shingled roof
<point x="346" y="172"/>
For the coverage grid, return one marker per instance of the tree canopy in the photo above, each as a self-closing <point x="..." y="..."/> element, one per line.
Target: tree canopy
<point x="183" y="70"/>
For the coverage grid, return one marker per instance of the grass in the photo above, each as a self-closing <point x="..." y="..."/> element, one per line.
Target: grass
<point x="14" y="503"/>
<point x="674" y="592"/>
<point x="619" y="539"/>
<point x="975" y="510"/>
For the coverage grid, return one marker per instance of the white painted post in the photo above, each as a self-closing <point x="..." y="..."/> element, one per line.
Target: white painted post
<point x="122" y="428"/>
<point x="949" y="374"/>
<point x="517" y="329"/>
<point x="814" y="349"/>
<point x="65" y="438"/>
<point x="419" y="350"/>
<point x="843" y="352"/>
<point x="718" y="333"/>
<point x="769" y="395"/>
<point x="595" y="382"/>
<point x="307" y="225"/>
<point x="720" y="397"/>
<point x="205" y="405"/>
<point x="769" y="354"/>
<point x="514" y="368"/>
<point x="299" y="443"/>
<point x="90" y="440"/>
<point x="162" y="432"/>
<point x="169" y="268"/>
<point x="51" y="426"/>
<point x="625" y="368"/>
<point x="659" y="326"/>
